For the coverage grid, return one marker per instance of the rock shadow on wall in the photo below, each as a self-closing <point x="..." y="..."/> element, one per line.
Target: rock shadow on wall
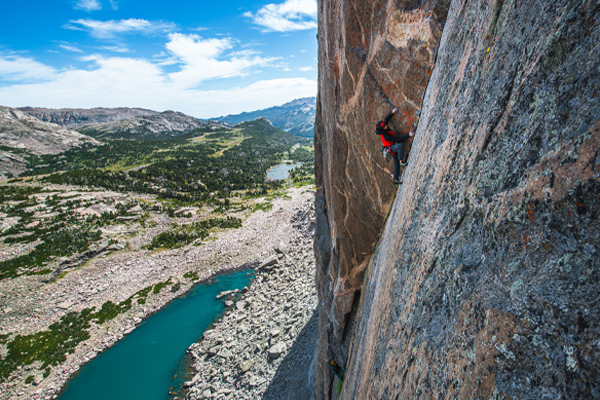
<point x="293" y="379"/>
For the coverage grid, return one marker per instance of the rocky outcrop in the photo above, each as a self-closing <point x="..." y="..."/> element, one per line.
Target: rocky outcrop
<point x="373" y="56"/>
<point x="63" y="264"/>
<point x="11" y="164"/>
<point x="21" y="131"/>
<point x="485" y="280"/>
<point x="22" y="135"/>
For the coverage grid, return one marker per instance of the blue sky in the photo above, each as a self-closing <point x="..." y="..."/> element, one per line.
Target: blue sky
<point x="203" y="58"/>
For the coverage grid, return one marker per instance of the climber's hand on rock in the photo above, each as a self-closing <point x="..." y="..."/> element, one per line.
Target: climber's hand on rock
<point x="394" y="111"/>
<point x="411" y="133"/>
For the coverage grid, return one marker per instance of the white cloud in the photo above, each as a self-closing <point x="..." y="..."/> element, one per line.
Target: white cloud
<point x="15" y="68"/>
<point x="116" y="49"/>
<point x="118" y="82"/>
<point x="136" y="82"/>
<point x="292" y="15"/>
<point x="91" y="57"/>
<point x="108" y="29"/>
<point x="203" y="59"/>
<point x="70" y="48"/>
<point x="113" y="4"/>
<point x="87" y="5"/>
<point x="306" y="69"/>
<point x="109" y="75"/>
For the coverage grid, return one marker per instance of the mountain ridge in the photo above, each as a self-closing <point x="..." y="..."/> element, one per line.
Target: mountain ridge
<point x="23" y="136"/>
<point x="296" y="116"/>
<point x="124" y="122"/>
<point x="76" y="117"/>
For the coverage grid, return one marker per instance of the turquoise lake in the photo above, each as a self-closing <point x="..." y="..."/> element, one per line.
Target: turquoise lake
<point x="152" y="360"/>
<point x="280" y="171"/>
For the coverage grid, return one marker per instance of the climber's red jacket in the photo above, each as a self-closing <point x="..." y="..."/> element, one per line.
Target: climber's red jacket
<point x="387" y="136"/>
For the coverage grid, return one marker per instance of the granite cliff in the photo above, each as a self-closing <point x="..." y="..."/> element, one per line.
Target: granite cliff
<point x="483" y="280"/>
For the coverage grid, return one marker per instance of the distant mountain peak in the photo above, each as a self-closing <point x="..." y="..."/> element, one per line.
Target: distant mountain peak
<point x="264" y="120"/>
<point x="296" y="117"/>
<point x="301" y="101"/>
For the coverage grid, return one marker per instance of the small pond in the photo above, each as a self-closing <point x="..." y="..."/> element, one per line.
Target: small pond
<point x="280" y="171"/>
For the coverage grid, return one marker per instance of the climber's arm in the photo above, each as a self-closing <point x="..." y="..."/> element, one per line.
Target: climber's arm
<point x="390" y="115"/>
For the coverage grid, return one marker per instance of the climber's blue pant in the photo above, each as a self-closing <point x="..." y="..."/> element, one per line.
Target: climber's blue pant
<point x="398" y="155"/>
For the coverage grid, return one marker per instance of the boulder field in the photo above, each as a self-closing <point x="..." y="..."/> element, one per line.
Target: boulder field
<point x="262" y="348"/>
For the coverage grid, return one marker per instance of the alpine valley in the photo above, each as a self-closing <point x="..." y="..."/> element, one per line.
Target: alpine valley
<point x="106" y="215"/>
<point x="474" y="276"/>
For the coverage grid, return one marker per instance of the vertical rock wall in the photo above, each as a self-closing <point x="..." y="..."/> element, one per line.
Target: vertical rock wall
<point x="373" y="55"/>
<point x="486" y="281"/>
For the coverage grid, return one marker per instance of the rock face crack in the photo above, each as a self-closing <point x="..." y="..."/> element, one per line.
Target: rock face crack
<point x="372" y="57"/>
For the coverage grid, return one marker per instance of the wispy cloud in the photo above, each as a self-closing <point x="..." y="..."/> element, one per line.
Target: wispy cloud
<point x="70" y="48"/>
<point x="116" y="49"/>
<point x="292" y="15"/>
<point x="113" y="4"/>
<point x="87" y="5"/>
<point x="15" y="68"/>
<point x="109" y="29"/>
<point x="306" y="69"/>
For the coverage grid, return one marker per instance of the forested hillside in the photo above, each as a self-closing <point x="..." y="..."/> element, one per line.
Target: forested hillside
<point x="206" y="167"/>
<point x="203" y="164"/>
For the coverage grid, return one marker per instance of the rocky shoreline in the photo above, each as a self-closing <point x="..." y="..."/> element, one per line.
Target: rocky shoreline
<point x="263" y="346"/>
<point x="27" y="305"/>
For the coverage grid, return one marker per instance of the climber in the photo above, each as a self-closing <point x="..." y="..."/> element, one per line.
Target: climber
<point x="339" y="371"/>
<point x="393" y="143"/>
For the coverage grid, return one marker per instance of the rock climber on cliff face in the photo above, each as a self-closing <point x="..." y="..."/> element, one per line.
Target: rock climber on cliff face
<point x="393" y="143"/>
